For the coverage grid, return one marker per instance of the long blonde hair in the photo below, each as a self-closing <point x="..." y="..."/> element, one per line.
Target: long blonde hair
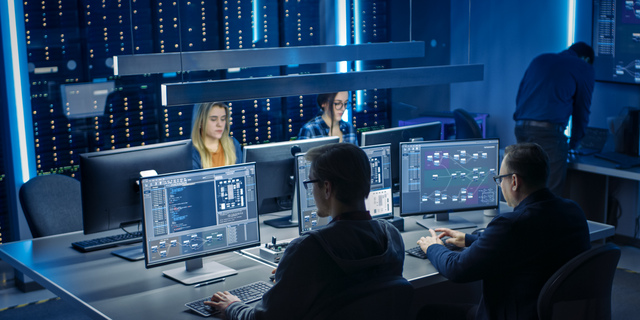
<point x="200" y="127"/>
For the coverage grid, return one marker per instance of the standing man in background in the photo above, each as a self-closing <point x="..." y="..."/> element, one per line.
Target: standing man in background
<point x="555" y="87"/>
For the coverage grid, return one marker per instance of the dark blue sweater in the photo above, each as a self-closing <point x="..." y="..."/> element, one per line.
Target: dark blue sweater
<point x="554" y="87"/>
<point x="516" y="254"/>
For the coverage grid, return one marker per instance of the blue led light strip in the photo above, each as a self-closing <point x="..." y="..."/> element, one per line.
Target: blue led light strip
<point x="16" y="94"/>
<point x="571" y="22"/>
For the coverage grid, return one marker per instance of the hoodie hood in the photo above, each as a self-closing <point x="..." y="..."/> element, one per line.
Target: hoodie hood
<point x="373" y="244"/>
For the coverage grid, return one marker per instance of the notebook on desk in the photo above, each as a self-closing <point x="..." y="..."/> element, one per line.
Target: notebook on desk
<point x="593" y="141"/>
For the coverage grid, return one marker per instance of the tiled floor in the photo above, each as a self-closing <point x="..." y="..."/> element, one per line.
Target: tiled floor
<point x="11" y="296"/>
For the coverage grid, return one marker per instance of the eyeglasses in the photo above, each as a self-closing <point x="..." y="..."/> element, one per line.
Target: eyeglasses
<point x="339" y="105"/>
<point x="306" y="183"/>
<point x="498" y="179"/>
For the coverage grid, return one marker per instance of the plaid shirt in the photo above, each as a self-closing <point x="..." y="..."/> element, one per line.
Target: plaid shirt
<point x="317" y="128"/>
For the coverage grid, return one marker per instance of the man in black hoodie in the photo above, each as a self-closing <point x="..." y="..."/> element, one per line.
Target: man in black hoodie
<point x="351" y="249"/>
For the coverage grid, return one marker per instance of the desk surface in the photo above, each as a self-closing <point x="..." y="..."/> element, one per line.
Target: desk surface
<point x="106" y="286"/>
<point x="594" y="164"/>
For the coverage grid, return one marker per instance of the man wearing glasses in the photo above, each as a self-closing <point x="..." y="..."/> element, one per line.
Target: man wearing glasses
<point x="519" y="250"/>
<point x="351" y="249"/>
<point x="330" y="122"/>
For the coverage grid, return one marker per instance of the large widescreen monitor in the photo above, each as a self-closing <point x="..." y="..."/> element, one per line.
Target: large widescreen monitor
<point x="441" y="177"/>
<point x="380" y="200"/>
<point x="418" y="132"/>
<point x="276" y="173"/>
<point x="109" y="181"/>
<point x="192" y="214"/>
<point x="616" y="40"/>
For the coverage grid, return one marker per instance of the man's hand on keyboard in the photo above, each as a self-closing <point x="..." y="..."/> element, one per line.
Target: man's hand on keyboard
<point x="221" y="300"/>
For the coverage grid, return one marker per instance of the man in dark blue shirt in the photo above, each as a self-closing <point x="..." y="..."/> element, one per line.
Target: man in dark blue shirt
<point x="555" y="87"/>
<point x="518" y="251"/>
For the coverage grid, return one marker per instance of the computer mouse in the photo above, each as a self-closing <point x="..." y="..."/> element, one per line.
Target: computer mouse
<point x="478" y="231"/>
<point x="272" y="278"/>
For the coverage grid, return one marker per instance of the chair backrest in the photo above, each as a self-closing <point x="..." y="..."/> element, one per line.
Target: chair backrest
<point x="52" y="204"/>
<point x="466" y="125"/>
<point x="383" y="298"/>
<point x="581" y="289"/>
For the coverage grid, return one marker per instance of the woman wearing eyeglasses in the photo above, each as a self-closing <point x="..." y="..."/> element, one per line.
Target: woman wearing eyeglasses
<point x="330" y="122"/>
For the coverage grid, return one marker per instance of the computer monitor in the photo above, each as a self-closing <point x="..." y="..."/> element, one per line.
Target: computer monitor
<point x="418" y="132"/>
<point x="380" y="200"/>
<point x="440" y="177"/>
<point x="109" y="181"/>
<point x="192" y="214"/>
<point x="276" y="174"/>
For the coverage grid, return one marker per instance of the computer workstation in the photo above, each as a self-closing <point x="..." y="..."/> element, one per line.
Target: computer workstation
<point x="191" y="214"/>
<point x="394" y="136"/>
<point x="152" y="288"/>
<point x="111" y="193"/>
<point x="379" y="203"/>
<point x="444" y="177"/>
<point x="275" y="168"/>
<point x="121" y="289"/>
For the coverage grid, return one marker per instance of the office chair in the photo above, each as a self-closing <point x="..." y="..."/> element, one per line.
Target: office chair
<point x="581" y="289"/>
<point x="383" y="298"/>
<point x="52" y="204"/>
<point x="466" y="125"/>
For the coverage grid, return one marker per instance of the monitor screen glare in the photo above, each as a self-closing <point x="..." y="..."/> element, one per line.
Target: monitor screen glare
<point x="191" y="214"/>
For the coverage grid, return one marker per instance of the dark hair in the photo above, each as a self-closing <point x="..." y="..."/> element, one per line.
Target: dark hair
<point x="327" y="98"/>
<point x="530" y="162"/>
<point x="346" y="166"/>
<point x="583" y="50"/>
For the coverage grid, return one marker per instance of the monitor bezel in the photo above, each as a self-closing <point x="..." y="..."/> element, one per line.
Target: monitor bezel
<point x="486" y="140"/>
<point x="148" y="264"/>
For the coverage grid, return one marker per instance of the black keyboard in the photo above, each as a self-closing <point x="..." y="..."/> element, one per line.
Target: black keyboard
<point x="247" y="293"/>
<point x="108" y="242"/>
<point x="416" y="252"/>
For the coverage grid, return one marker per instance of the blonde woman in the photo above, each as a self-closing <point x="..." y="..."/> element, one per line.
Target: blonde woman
<point x="212" y="144"/>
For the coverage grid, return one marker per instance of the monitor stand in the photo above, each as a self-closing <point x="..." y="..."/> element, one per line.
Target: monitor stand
<point x="290" y="221"/>
<point x="445" y="220"/>
<point x="195" y="271"/>
<point x="132" y="254"/>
